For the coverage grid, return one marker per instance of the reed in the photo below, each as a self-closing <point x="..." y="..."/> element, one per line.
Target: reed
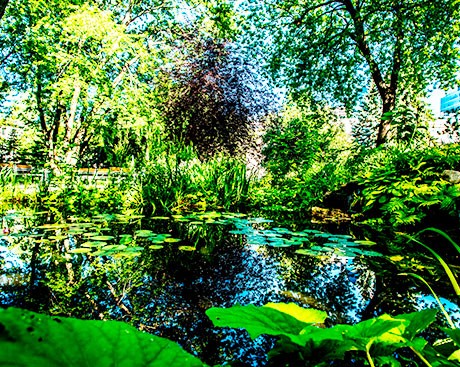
<point x="445" y="266"/>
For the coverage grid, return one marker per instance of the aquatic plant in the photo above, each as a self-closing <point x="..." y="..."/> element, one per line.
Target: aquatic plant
<point x="444" y="265"/>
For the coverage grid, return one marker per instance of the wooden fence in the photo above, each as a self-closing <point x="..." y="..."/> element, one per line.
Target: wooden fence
<point x="41" y="173"/>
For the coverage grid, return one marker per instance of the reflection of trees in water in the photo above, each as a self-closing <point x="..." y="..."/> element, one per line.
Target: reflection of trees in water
<point x="167" y="291"/>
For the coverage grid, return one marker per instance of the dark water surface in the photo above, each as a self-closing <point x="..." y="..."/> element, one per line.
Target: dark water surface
<point x="161" y="274"/>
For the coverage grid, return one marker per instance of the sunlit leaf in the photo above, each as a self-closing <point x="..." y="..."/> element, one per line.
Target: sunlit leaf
<point x="102" y="238"/>
<point x="307" y="315"/>
<point x="144" y="233"/>
<point x="187" y="248"/>
<point x="365" y="242"/>
<point x="28" y="339"/>
<point x="172" y="240"/>
<point x="155" y="247"/>
<point x="93" y="244"/>
<point x="79" y="250"/>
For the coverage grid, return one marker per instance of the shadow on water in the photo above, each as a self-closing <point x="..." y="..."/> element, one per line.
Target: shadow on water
<point x="161" y="274"/>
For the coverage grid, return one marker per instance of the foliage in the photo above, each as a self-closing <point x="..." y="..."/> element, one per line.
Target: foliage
<point x="215" y="98"/>
<point x="74" y="82"/>
<point x="305" y="149"/>
<point x="302" y="343"/>
<point x="446" y="267"/>
<point x="70" y="194"/>
<point x="178" y="181"/>
<point x="332" y="48"/>
<point x="402" y="187"/>
<point x="33" y="340"/>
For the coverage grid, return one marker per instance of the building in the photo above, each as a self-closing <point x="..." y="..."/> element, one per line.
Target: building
<point x="451" y="101"/>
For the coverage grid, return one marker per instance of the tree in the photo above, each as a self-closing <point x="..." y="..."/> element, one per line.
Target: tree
<point x="80" y="71"/>
<point x="333" y="48"/>
<point x="215" y="98"/>
<point x="3" y="5"/>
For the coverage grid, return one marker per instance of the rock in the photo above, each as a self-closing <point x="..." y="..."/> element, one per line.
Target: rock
<point x="451" y="176"/>
<point x="323" y="216"/>
<point x="343" y="197"/>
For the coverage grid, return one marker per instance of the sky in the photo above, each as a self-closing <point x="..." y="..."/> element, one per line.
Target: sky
<point x="434" y="100"/>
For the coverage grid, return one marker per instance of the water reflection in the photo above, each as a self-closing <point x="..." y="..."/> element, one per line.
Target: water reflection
<point x="113" y="268"/>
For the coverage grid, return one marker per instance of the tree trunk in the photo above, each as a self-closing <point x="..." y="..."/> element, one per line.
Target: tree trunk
<point x="3" y="5"/>
<point x="385" y="120"/>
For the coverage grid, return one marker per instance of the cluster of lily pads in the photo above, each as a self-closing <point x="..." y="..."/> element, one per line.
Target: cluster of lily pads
<point x="310" y="241"/>
<point x="93" y="241"/>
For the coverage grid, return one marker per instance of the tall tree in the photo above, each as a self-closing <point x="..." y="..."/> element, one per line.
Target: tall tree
<point x="332" y="48"/>
<point x="215" y="99"/>
<point x="3" y="5"/>
<point x="81" y="71"/>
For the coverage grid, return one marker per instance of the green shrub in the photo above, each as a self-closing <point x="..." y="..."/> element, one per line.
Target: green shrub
<point x="305" y="151"/>
<point x="403" y="187"/>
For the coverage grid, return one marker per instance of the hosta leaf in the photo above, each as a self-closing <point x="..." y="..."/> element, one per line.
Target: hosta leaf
<point x="29" y="339"/>
<point x="307" y="315"/>
<point x="257" y="321"/>
<point x="454" y="334"/>
<point x="418" y="321"/>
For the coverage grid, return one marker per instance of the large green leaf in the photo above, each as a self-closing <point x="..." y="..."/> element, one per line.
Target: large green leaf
<point x="418" y="321"/>
<point x="33" y="340"/>
<point x="265" y="319"/>
<point x="454" y="334"/>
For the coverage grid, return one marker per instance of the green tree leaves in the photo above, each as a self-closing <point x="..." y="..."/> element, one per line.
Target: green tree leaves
<point x="332" y="49"/>
<point x="34" y="340"/>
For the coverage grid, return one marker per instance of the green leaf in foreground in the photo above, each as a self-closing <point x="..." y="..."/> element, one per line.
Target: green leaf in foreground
<point x="265" y="319"/>
<point x="35" y="340"/>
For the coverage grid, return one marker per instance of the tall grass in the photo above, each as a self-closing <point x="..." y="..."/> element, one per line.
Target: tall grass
<point x="181" y="182"/>
<point x="444" y="265"/>
<point x="449" y="272"/>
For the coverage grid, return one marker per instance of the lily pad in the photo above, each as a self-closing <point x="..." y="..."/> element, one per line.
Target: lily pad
<point x="124" y="240"/>
<point x="144" y="233"/>
<point x="90" y="234"/>
<point x="102" y="238"/>
<point x="156" y="247"/>
<point x="114" y="247"/>
<point x="187" y="248"/>
<point x="58" y="237"/>
<point x="79" y="250"/>
<point x="172" y="240"/>
<point x="365" y="242"/>
<point x="102" y="253"/>
<point x="93" y="244"/>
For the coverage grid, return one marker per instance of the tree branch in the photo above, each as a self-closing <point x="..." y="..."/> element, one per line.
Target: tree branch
<point x="359" y="38"/>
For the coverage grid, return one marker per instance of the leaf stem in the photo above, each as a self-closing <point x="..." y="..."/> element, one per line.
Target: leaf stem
<point x="418" y="354"/>
<point x="369" y="358"/>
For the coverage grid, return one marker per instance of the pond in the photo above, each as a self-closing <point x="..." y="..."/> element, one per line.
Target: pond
<point x="162" y="273"/>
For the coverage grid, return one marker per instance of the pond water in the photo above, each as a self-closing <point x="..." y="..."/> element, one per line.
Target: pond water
<point x="162" y="273"/>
